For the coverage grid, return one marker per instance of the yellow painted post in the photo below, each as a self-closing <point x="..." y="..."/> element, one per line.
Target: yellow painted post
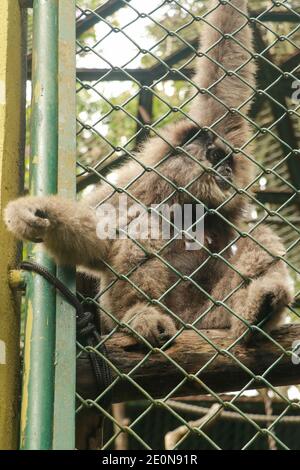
<point x="11" y="116"/>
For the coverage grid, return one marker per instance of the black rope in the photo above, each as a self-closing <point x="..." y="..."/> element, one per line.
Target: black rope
<point x="86" y="331"/>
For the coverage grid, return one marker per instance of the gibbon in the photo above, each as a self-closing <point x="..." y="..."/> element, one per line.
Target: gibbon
<point x="153" y="287"/>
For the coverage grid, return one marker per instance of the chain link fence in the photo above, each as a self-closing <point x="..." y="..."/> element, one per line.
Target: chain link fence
<point x="134" y="75"/>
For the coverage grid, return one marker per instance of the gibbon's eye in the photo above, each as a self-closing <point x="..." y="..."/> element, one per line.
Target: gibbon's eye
<point x="192" y="133"/>
<point x="215" y="155"/>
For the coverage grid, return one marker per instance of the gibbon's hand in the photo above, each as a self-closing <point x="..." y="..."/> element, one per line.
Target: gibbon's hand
<point x="27" y="219"/>
<point x="149" y="323"/>
<point x="66" y="227"/>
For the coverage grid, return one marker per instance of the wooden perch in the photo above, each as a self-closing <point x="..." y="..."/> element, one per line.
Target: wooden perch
<point x="158" y="375"/>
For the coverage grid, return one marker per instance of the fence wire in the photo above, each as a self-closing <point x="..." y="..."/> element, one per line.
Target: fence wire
<point x="134" y="73"/>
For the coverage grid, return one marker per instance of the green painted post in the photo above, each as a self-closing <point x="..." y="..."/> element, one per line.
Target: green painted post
<point x="65" y="370"/>
<point x="38" y="376"/>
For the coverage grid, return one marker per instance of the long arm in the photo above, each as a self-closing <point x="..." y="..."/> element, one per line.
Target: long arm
<point x="67" y="228"/>
<point x="226" y="44"/>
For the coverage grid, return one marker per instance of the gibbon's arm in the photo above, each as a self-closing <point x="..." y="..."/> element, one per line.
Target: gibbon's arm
<point x="67" y="228"/>
<point x="224" y="54"/>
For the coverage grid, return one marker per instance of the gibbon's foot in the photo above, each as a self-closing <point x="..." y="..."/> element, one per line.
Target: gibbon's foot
<point x="150" y="324"/>
<point x="267" y="298"/>
<point x="26" y="219"/>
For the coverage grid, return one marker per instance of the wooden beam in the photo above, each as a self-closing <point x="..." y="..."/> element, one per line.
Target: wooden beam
<point x="103" y="11"/>
<point x="145" y="113"/>
<point x="285" y="127"/>
<point x="112" y="6"/>
<point x="291" y="63"/>
<point x="159" y="376"/>
<point x="159" y="70"/>
<point x="184" y="52"/>
<point x="91" y="74"/>
<point x="276" y="16"/>
<point x="110" y="75"/>
<point x="276" y="196"/>
<point x="26" y="3"/>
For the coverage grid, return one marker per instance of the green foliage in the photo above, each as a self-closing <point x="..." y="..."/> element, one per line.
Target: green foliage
<point x="168" y="29"/>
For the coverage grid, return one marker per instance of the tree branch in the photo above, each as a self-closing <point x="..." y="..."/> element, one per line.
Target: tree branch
<point x="206" y="367"/>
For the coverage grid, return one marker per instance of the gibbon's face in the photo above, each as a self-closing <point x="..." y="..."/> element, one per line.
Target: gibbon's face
<point x="223" y="171"/>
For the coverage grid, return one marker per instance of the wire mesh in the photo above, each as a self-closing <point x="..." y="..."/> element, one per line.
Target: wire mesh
<point x="134" y="73"/>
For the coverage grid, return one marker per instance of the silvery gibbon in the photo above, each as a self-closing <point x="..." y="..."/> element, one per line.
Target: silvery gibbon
<point x="153" y="287"/>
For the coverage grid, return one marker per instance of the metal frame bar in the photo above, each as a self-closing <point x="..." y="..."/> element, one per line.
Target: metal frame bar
<point x="38" y="375"/>
<point x="65" y="369"/>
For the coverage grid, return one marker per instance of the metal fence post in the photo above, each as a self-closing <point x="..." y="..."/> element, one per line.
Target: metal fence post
<point x="65" y="379"/>
<point x="38" y="376"/>
<point x="11" y="147"/>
